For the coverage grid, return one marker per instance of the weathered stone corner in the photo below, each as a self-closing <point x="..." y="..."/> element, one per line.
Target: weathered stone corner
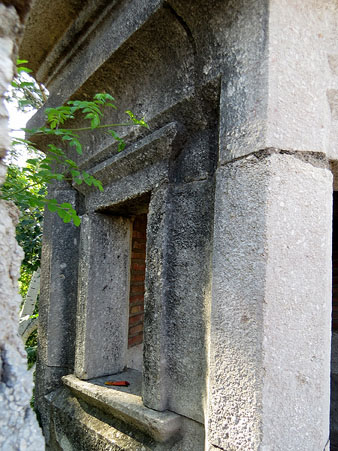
<point x="18" y="425"/>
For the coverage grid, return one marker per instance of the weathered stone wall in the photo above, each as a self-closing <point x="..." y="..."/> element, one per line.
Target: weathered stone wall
<point x="235" y="171"/>
<point x="18" y="425"/>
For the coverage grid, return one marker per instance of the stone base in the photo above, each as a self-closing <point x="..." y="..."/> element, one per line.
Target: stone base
<point x="87" y="415"/>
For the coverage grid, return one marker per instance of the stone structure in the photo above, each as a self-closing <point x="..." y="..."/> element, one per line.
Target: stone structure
<point x="18" y="425"/>
<point x="234" y="179"/>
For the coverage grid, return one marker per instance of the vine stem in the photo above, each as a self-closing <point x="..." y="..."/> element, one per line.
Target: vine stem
<point x="20" y="190"/>
<point x="99" y="126"/>
<point x="80" y="129"/>
<point x="42" y="92"/>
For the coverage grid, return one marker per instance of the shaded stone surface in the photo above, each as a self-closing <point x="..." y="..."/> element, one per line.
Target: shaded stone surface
<point x="57" y="302"/>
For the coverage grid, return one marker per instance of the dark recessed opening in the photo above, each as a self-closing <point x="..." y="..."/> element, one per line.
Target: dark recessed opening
<point x="334" y="343"/>
<point x="137" y="278"/>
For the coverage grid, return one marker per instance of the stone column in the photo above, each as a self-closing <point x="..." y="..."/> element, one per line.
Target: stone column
<point x="271" y="292"/>
<point x="18" y="426"/>
<point x="271" y="304"/>
<point x="57" y="301"/>
<point x="155" y="379"/>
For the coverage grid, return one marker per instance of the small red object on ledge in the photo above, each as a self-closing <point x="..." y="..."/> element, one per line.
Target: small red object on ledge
<point x="118" y="383"/>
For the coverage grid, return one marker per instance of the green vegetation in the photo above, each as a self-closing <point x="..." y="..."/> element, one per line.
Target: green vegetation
<point x="55" y="164"/>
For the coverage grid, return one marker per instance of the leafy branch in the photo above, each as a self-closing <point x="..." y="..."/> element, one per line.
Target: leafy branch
<point x="26" y="92"/>
<point x="55" y="164"/>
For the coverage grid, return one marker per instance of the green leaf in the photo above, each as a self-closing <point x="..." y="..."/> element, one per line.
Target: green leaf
<point x="76" y="143"/>
<point x="95" y="122"/>
<point x="24" y="69"/>
<point x="32" y="161"/>
<point x="103" y="97"/>
<point x="76" y="220"/>
<point x="121" y="144"/>
<point x="97" y="184"/>
<point x="45" y="166"/>
<point x="26" y="84"/>
<point x="66" y="205"/>
<point x="71" y="163"/>
<point x="66" y="218"/>
<point x="51" y="207"/>
<point x="136" y="121"/>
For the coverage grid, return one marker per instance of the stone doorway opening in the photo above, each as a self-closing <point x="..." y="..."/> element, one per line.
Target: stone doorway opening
<point x="136" y="293"/>
<point x="111" y="290"/>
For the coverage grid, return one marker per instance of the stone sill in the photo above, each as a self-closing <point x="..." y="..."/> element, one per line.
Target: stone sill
<point x="123" y="403"/>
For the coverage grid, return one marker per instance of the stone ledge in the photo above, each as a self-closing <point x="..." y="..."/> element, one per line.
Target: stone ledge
<point x="80" y="41"/>
<point x="127" y="407"/>
<point x="143" y="153"/>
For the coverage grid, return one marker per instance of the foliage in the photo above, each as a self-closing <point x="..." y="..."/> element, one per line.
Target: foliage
<point x="55" y="164"/>
<point x="29" y="228"/>
<point x="31" y="348"/>
<point x="26" y="92"/>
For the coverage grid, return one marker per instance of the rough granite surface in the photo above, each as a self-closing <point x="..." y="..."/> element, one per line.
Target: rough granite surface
<point x="269" y="356"/>
<point x="19" y="429"/>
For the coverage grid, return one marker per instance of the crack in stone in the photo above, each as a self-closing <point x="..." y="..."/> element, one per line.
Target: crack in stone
<point x="5" y="372"/>
<point x="218" y="447"/>
<point x="317" y="159"/>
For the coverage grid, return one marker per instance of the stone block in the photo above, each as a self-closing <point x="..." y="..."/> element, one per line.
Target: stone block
<point x="178" y="251"/>
<point x="57" y="302"/>
<point x="126" y="406"/>
<point x="155" y="383"/>
<point x="298" y="114"/>
<point x="102" y="313"/>
<point x="80" y="426"/>
<point x="271" y="304"/>
<point x="189" y="255"/>
<point x="275" y="95"/>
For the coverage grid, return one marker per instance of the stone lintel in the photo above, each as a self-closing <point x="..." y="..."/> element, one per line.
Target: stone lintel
<point x="127" y="407"/>
<point x="143" y="153"/>
<point x="128" y="189"/>
<point x="108" y="32"/>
